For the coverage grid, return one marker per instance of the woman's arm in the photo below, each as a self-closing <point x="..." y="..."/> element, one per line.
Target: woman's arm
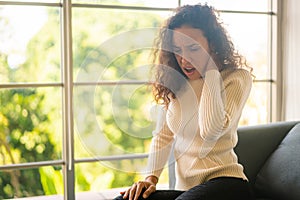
<point x="160" y="148"/>
<point x="222" y="102"/>
<point x="161" y="145"/>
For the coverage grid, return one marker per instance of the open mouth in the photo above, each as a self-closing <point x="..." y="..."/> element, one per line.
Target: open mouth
<point x="189" y="70"/>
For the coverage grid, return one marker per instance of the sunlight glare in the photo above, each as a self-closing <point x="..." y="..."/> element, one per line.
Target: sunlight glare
<point x="24" y="24"/>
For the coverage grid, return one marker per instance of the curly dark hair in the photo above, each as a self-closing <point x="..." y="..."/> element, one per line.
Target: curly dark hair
<point x="222" y="50"/>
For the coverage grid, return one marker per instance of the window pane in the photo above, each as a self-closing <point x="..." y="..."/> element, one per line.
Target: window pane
<point x="133" y="65"/>
<point x="95" y="177"/>
<point x="257" y="107"/>
<point x="32" y="182"/>
<point x="249" y="33"/>
<point x="101" y="36"/>
<point x="102" y="178"/>
<point x="112" y="120"/>
<point x="30" y="44"/>
<point x="140" y="3"/>
<point x="30" y="125"/>
<point x="236" y="5"/>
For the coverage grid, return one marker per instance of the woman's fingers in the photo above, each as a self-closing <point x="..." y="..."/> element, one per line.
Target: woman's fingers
<point x="126" y="193"/>
<point x="140" y="186"/>
<point x="148" y="191"/>
<point x="136" y="190"/>
<point x="132" y="191"/>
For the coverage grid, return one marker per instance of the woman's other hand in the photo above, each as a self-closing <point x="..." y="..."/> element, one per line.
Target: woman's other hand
<point x="144" y="188"/>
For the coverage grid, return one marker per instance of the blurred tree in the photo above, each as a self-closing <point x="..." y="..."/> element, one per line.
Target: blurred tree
<point x="26" y="115"/>
<point x="24" y="138"/>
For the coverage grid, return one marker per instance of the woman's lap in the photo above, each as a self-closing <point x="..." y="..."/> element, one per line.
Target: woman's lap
<point x="160" y="195"/>
<point x="220" y="188"/>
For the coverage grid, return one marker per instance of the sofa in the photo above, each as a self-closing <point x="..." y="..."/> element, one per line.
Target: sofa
<point x="270" y="154"/>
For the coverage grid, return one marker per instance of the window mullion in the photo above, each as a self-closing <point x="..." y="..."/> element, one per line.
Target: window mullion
<point x="278" y="58"/>
<point x="67" y="64"/>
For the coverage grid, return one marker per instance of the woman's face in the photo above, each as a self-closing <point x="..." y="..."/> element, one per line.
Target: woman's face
<point x="191" y="50"/>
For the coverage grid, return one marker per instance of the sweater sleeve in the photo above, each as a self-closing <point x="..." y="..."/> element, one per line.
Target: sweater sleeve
<point x="161" y="146"/>
<point x="221" y="104"/>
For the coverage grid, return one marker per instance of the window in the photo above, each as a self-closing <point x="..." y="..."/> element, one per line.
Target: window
<point x="75" y="109"/>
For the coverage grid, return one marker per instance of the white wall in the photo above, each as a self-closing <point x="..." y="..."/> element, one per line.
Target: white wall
<point x="291" y="59"/>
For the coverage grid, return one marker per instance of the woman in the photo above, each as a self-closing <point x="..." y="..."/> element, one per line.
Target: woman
<point x="203" y="85"/>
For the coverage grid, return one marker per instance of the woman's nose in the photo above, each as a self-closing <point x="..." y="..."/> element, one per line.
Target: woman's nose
<point x="185" y="58"/>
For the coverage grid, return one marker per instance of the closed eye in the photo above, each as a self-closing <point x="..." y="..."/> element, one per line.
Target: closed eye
<point x="195" y="47"/>
<point x="191" y="48"/>
<point x="176" y="50"/>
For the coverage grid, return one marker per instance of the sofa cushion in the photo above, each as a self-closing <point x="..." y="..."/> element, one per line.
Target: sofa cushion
<point x="279" y="178"/>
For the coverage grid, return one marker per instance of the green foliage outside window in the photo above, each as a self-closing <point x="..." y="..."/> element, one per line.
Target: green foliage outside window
<point x="24" y="138"/>
<point x="31" y="118"/>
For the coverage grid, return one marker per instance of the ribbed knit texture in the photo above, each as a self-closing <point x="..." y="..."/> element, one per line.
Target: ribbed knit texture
<point x="202" y="121"/>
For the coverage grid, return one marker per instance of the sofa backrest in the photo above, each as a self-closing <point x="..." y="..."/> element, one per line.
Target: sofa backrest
<point x="257" y="143"/>
<point x="279" y="178"/>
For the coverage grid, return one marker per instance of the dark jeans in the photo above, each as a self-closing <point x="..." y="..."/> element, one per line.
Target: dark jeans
<point x="224" y="188"/>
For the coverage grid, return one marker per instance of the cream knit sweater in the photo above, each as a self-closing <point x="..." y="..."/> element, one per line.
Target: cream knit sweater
<point x="202" y="121"/>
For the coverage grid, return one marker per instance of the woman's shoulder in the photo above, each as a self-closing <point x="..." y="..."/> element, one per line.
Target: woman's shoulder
<point x="237" y="74"/>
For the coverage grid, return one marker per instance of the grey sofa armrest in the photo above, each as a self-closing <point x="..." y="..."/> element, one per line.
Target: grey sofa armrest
<point x="257" y="143"/>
